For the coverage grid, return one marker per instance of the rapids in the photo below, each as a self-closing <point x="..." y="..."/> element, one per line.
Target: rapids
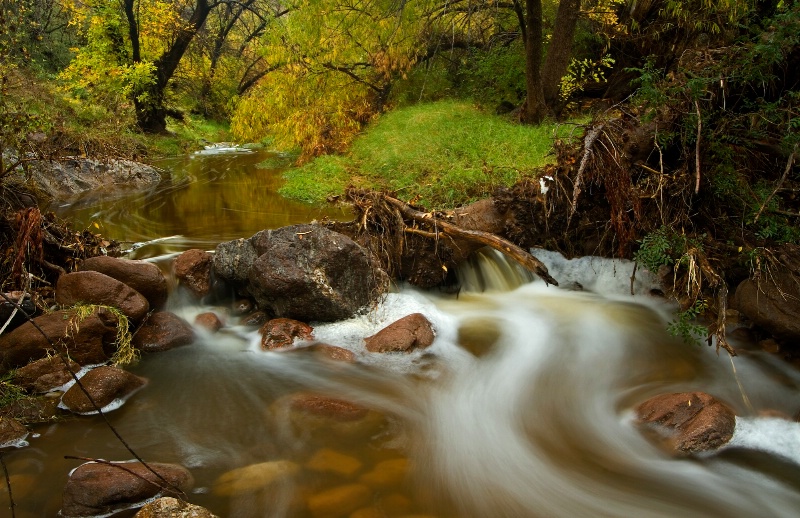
<point x="520" y="408"/>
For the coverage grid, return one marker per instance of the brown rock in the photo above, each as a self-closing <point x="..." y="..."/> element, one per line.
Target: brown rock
<point x="256" y="318"/>
<point x="161" y="332"/>
<point x="87" y="341"/>
<point x="97" y="288"/>
<point x="11" y="431"/>
<point x="339" y="501"/>
<point x="143" y="276"/>
<point x="689" y="422"/>
<point x="254" y="477"/>
<point x="193" y="269"/>
<point x="410" y="332"/>
<point x="327" y="460"/>
<point x="209" y="321"/>
<point x="168" y="507"/>
<point x="104" y="385"/>
<point x="773" y="304"/>
<point x="327" y="407"/>
<point x="282" y="332"/>
<point x="30" y="410"/>
<point x="387" y="473"/>
<point x="45" y="374"/>
<point x="332" y="352"/>
<point x="99" y="488"/>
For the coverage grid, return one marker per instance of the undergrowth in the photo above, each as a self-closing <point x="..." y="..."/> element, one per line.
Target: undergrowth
<point x="439" y="155"/>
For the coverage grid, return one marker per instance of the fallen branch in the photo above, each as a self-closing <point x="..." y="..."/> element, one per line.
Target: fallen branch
<point x="778" y="187"/>
<point x="440" y="226"/>
<point x="697" y="149"/>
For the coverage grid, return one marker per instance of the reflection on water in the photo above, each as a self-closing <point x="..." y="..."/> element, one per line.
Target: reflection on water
<point x="520" y="408"/>
<point x="205" y="198"/>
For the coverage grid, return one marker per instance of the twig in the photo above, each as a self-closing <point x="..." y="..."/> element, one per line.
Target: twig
<point x="697" y="148"/>
<point x="780" y="184"/>
<point x="588" y="145"/>
<point x="80" y="385"/>
<point x="8" y="484"/>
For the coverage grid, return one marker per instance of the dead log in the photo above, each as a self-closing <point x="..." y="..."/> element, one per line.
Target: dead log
<point x="437" y="226"/>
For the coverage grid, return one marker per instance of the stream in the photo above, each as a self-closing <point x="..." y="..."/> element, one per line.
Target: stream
<point x="520" y="408"/>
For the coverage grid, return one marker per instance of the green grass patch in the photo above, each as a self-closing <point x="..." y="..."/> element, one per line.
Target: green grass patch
<point x="441" y="155"/>
<point x="314" y="182"/>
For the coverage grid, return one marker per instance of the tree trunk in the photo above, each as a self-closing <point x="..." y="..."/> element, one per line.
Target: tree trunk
<point x="151" y="111"/>
<point x="534" y="109"/>
<point x="559" y="52"/>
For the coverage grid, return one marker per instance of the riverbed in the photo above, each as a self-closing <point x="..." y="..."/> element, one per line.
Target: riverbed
<point x="520" y="408"/>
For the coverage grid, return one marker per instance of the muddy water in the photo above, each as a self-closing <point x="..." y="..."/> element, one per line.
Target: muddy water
<point x="206" y="197"/>
<point x="520" y="408"/>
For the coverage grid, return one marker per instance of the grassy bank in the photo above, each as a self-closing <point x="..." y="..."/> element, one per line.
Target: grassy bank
<point x="439" y="155"/>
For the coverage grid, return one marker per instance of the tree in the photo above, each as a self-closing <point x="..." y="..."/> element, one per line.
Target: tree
<point x="543" y="81"/>
<point x="134" y="48"/>
<point x="332" y="65"/>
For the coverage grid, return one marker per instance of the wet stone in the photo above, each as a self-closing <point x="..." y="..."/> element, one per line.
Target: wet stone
<point x="143" y="276"/>
<point x="45" y="374"/>
<point x="104" y="385"/>
<point x="193" y="269"/>
<point x="209" y="321"/>
<point x="688" y="422"/>
<point x="102" y="488"/>
<point x="410" y="332"/>
<point x="168" y="507"/>
<point x="280" y="333"/>
<point x="163" y="331"/>
<point x="89" y="287"/>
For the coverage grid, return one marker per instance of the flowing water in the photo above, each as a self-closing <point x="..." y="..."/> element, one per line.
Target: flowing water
<point x="520" y="408"/>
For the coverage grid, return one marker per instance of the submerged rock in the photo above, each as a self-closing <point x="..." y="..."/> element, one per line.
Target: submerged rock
<point x="193" y="269"/>
<point x="102" y="488"/>
<point x="86" y="341"/>
<point x="104" y="385"/>
<point x="410" y="332"/>
<point x="143" y="276"/>
<point x="279" y="333"/>
<point x="254" y="477"/>
<point x="310" y="273"/>
<point x="89" y="287"/>
<point x="339" y="501"/>
<point x="168" y="507"/>
<point x="162" y="331"/>
<point x="688" y="422"/>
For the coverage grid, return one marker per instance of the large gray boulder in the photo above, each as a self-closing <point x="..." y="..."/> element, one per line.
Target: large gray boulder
<point x="233" y="259"/>
<point x="68" y="177"/>
<point x="310" y="273"/>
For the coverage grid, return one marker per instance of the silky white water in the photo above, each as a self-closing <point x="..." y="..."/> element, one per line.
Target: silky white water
<point x="522" y="407"/>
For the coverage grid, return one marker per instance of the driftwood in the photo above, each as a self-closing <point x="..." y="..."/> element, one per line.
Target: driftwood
<point x="437" y="226"/>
